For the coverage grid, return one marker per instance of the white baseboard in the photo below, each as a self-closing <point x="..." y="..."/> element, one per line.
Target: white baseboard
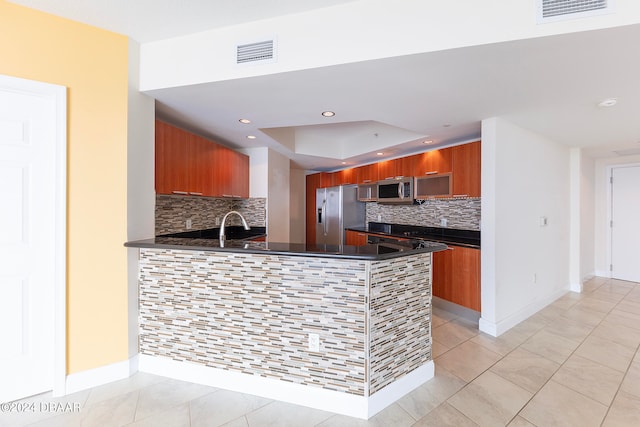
<point x="575" y="287"/>
<point x="102" y="375"/>
<point x="498" y="328"/>
<point x="313" y="397"/>
<point x="603" y="273"/>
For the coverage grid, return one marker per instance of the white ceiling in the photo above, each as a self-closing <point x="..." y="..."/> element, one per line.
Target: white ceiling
<point x="550" y="85"/>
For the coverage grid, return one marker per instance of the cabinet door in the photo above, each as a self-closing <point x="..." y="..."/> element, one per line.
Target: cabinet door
<point x="238" y="178"/>
<point x="389" y="169"/>
<point x="367" y="173"/>
<point x="202" y="155"/>
<point x="345" y="176"/>
<point x="456" y="276"/>
<point x="466" y="277"/>
<point x="172" y="153"/>
<point x="355" y="238"/>
<point x="466" y="169"/>
<point x="433" y="162"/>
<point x="442" y="274"/>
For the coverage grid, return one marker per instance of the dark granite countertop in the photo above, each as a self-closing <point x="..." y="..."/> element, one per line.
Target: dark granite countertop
<point x="373" y="252"/>
<point x="449" y="236"/>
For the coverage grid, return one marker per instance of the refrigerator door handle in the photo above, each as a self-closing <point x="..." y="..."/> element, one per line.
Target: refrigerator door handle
<point x="324" y="214"/>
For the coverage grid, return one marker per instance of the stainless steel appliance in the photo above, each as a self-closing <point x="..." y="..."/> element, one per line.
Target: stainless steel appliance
<point x="396" y="190"/>
<point x="337" y="208"/>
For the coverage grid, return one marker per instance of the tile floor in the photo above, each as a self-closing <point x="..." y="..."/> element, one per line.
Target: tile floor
<point x="574" y="363"/>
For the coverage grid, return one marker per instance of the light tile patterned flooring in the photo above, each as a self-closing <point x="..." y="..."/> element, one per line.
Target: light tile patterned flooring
<point x="575" y="363"/>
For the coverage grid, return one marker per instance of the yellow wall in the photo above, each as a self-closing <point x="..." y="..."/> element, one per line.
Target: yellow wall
<point x="92" y="64"/>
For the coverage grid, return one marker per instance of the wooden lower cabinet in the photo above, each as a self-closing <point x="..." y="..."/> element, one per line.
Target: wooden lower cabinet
<point x="456" y="276"/>
<point x="355" y="238"/>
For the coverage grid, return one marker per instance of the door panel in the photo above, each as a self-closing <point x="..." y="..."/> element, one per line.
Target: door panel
<point x="28" y="141"/>
<point x="625" y="230"/>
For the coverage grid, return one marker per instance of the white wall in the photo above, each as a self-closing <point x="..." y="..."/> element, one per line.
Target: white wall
<point x="587" y="218"/>
<point x="278" y="199"/>
<point x="602" y="211"/>
<point x="524" y="177"/>
<point x="270" y="178"/>
<point x="258" y="171"/>
<point x="356" y="31"/>
<point x="297" y="206"/>
<point x="140" y="182"/>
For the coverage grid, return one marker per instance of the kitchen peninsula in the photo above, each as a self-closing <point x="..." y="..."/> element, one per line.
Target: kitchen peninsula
<point x="345" y="329"/>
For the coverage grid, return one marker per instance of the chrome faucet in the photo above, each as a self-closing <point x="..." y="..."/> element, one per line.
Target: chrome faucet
<point x="224" y="219"/>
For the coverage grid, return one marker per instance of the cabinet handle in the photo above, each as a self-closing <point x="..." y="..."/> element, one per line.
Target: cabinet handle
<point x="361" y="234"/>
<point x="431" y="173"/>
<point x="227" y="195"/>
<point x="180" y="192"/>
<point x="366" y="180"/>
<point x="449" y="248"/>
<point x="194" y="193"/>
<point x="236" y="196"/>
<point x="460" y="195"/>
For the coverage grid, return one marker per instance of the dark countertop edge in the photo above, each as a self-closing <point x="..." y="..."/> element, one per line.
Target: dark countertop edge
<point x="453" y="242"/>
<point x="150" y="244"/>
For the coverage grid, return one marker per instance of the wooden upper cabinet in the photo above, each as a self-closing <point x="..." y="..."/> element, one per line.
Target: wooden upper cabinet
<point x="240" y="175"/>
<point x="202" y="154"/>
<point x="408" y="165"/>
<point x="190" y="164"/>
<point x="388" y="169"/>
<point x="326" y="180"/>
<point x="433" y="162"/>
<point x="466" y="169"/>
<point x="367" y="173"/>
<point x="172" y="154"/>
<point x="345" y="177"/>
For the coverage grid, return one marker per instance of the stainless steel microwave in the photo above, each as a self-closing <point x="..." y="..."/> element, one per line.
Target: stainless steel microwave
<point x="396" y="190"/>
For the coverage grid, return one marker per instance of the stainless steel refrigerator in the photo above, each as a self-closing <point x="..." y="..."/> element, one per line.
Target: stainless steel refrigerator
<point x="337" y="208"/>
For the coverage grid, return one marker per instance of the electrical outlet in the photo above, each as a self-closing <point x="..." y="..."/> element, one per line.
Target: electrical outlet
<point x="443" y="222"/>
<point x="217" y="220"/>
<point x="314" y="342"/>
<point x="189" y="224"/>
<point x="379" y="218"/>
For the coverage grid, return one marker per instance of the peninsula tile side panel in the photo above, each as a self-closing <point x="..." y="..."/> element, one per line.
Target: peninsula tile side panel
<point x="400" y="307"/>
<point x="252" y="314"/>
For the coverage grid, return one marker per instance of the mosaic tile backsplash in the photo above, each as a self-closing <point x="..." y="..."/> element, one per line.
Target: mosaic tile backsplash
<point x="252" y="314"/>
<point x="463" y="213"/>
<point x="172" y="212"/>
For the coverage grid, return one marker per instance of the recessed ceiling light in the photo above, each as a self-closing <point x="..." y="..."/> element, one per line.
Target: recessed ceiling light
<point x="428" y="141"/>
<point x="251" y="136"/>
<point x="245" y="121"/>
<point x="344" y="163"/>
<point x="328" y="113"/>
<point x="380" y="154"/>
<point x="609" y="102"/>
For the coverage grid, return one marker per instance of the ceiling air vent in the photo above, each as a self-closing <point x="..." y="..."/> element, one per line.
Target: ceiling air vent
<point x="557" y="10"/>
<point x="261" y="52"/>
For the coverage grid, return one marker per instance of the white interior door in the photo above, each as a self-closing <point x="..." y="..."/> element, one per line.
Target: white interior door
<point x="625" y="224"/>
<point x="29" y="128"/>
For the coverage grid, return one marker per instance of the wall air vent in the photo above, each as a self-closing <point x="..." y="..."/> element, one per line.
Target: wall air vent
<point x="258" y="52"/>
<point x="558" y="10"/>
